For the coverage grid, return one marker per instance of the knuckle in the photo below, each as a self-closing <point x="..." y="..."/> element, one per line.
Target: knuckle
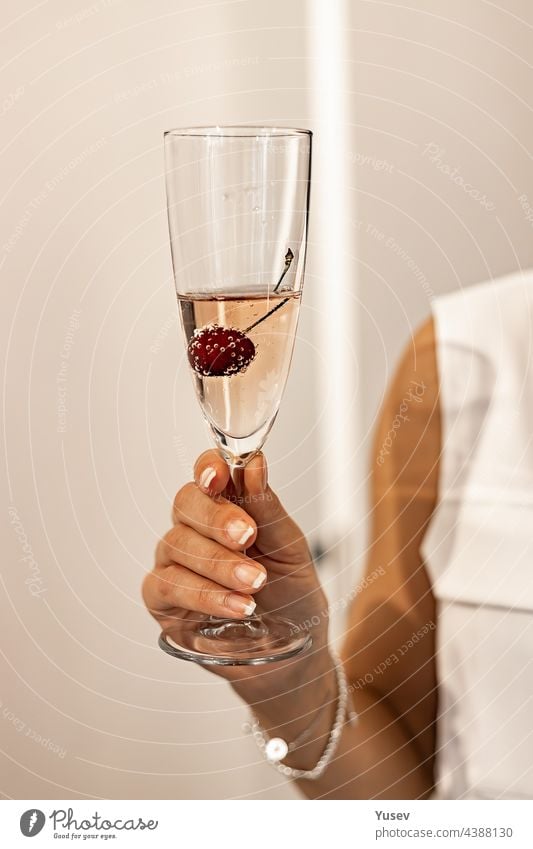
<point x="225" y="513"/>
<point x="170" y="545"/>
<point x="176" y="504"/>
<point x="207" y="596"/>
<point x="165" y="588"/>
<point x="222" y="514"/>
<point x="220" y="557"/>
<point x="156" y="588"/>
<point x="223" y="599"/>
<point x="161" y="551"/>
<point x="182" y="499"/>
<point x="175" y="542"/>
<point x="147" y="588"/>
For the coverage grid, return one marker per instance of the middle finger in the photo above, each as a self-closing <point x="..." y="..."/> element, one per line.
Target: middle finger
<point x="185" y="546"/>
<point x="216" y="518"/>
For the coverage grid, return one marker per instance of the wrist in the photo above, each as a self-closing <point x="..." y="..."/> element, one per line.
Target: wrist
<point x="304" y="710"/>
<point x="264" y="687"/>
<point x="310" y="754"/>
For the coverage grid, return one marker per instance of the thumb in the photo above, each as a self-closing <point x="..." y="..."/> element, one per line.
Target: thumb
<point x="278" y="536"/>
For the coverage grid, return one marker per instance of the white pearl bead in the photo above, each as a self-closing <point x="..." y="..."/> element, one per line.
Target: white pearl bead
<point x="276" y="749"/>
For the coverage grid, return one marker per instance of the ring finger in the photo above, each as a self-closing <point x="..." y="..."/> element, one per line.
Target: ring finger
<point x="184" y="546"/>
<point x="179" y="587"/>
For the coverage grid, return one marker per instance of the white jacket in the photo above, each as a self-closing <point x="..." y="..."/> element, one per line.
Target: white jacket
<point x="479" y="545"/>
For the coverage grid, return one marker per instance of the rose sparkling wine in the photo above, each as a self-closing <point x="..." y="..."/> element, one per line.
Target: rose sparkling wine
<point x="238" y="201"/>
<point x="240" y="351"/>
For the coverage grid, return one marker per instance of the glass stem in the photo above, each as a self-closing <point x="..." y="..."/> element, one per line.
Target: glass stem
<point x="237" y="477"/>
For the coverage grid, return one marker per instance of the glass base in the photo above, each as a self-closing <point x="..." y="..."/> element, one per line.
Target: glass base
<point x="234" y="642"/>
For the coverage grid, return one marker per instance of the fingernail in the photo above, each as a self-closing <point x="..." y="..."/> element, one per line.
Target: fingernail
<point x="207" y="476"/>
<point x="239" y="531"/>
<point x="251" y="576"/>
<point x="240" y="605"/>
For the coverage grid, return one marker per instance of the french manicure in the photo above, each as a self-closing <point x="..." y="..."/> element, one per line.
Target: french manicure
<point x="207" y="477"/>
<point x="240" y="605"/>
<point x="250" y="576"/>
<point x="239" y="531"/>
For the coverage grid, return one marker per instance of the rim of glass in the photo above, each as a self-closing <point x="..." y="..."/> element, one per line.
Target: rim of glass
<point x="239" y="131"/>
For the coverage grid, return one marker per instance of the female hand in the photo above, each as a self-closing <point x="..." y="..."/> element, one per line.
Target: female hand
<point x="221" y="558"/>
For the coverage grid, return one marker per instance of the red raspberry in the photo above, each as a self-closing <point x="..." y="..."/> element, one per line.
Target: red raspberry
<point x="220" y="351"/>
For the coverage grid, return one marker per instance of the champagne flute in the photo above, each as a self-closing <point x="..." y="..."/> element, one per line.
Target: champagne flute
<point x="238" y="200"/>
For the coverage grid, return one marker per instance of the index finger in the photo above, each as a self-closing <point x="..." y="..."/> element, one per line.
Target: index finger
<point x="211" y="472"/>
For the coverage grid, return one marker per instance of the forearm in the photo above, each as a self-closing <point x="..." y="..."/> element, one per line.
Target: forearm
<point x="375" y="758"/>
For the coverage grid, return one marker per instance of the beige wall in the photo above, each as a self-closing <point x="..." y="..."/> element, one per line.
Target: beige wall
<point x="442" y="171"/>
<point x="88" y="320"/>
<point x="101" y="83"/>
<point x="454" y="75"/>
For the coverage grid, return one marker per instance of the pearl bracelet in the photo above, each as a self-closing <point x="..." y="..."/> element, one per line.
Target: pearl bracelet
<point x="275" y="749"/>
